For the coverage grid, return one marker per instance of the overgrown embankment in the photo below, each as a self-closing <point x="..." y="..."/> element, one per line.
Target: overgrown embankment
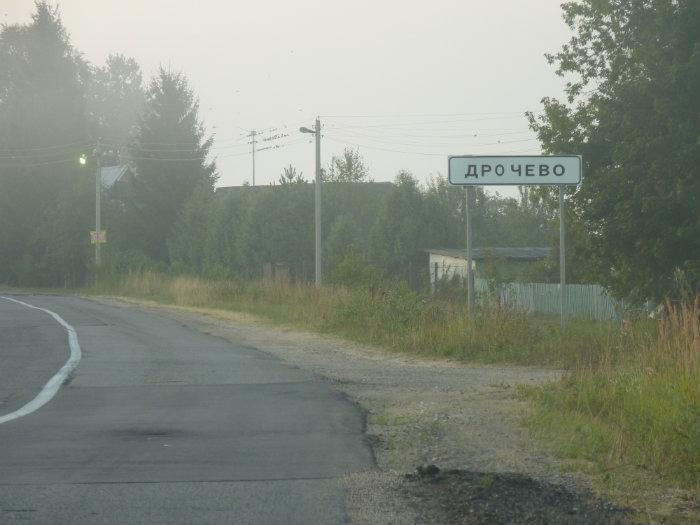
<point x="390" y="315"/>
<point x="628" y="410"/>
<point x="632" y="416"/>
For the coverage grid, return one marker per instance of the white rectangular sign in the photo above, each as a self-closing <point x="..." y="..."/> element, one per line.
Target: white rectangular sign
<point x="516" y="170"/>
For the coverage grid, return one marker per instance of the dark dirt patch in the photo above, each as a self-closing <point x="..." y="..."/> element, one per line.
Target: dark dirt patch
<point x="465" y="497"/>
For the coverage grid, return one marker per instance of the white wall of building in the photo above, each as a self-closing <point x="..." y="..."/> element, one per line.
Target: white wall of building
<point x="447" y="267"/>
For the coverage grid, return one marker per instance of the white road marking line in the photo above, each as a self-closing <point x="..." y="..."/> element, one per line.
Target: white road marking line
<point x="51" y="388"/>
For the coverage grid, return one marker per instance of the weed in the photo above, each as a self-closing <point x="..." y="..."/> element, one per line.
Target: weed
<point x="631" y="398"/>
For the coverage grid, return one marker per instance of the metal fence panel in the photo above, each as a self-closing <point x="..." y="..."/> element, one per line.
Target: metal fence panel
<point x="587" y="301"/>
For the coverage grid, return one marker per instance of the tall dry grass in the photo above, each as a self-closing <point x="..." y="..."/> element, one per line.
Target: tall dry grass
<point x="631" y="397"/>
<point x="637" y="406"/>
<point x="391" y="315"/>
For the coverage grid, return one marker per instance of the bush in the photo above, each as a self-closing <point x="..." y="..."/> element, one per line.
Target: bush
<point x="353" y="272"/>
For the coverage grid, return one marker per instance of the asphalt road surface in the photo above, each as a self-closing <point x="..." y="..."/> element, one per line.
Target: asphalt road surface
<point x="160" y="423"/>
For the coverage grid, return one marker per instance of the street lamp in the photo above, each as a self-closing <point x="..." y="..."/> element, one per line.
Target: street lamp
<point x="317" y="208"/>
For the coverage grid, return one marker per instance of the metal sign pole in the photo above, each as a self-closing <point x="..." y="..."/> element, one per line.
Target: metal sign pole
<point x="562" y="256"/>
<point x="470" y="277"/>
<point x="98" y="211"/>
<point x="517" y="170"/>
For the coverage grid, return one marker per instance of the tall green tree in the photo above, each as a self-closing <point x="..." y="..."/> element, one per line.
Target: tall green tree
<point x="170" y="159"/>
<point x="348" y="167"/>
<point x="44" y="130"/>
<point x="632" y="111"/>
<point x="115" y="100"/>
<point x="399" y="233"/>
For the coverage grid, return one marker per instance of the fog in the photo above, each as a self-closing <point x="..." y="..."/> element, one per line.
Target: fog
<point x="447" y="77"/>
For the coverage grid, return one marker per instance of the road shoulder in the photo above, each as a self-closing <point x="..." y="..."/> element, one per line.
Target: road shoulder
<point x="462" y="418"/>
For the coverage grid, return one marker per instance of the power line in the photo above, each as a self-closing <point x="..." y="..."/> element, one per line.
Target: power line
<point x="386" y="149"/>
<point x="430" y="122"/>
<point x="184" y="150"/>
<point x="423" y="153"/>
<point x="433" y="134"/>
<point x="51" y="147"/>
<point x="410" y="115"/>
<point x="37" y="164"/>
<point x="238" y="154"/>
<point x="40" y="155"/>
<point x="433" y="144"/>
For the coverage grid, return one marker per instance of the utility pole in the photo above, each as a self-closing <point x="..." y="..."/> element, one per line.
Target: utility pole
<point x="317" y="208"/>
<point x="252" y="134"/>
<point x="318" y="202"/>
<point x="98" y="195"/>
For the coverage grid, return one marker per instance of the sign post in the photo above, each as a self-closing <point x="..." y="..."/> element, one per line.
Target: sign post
<point x="518" y="170"/>
<point x="562" y="257"/>
<point x="468" y="224"/>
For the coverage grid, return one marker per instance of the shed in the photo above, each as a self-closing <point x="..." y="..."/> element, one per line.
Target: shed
<point x="445" y="263"/>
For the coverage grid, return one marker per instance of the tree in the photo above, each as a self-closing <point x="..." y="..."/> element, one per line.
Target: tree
<point x="115" y="101"/>
<point x="187" y="244"/>
<point x="44" y="130"/>
<point x="632" y="111"/>
<point x="277" y="227"/>
<point x="290" y="175"/>
<point x="399" y="232"/>
<point x="169" y="157"/>
<point x="349" y="167"/>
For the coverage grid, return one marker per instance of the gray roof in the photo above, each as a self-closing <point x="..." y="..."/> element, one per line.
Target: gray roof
<point x="258" y="187"/>
<point x="524" y="254"/>
<point x="111" y="174"/>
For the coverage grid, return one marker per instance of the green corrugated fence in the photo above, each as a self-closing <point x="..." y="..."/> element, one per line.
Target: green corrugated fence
<point x="587" y="301"/>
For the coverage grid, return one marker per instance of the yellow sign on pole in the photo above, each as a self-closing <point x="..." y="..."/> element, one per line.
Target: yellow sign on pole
<point x="98" y="237"/>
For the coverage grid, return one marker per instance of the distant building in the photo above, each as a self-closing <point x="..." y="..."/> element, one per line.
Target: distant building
<point x="385" y="186"/>
<point x="446" y="263"/>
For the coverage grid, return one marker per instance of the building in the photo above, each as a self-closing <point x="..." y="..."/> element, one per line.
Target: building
<point x="449" y="263"/>
<point x="113" y="174"/>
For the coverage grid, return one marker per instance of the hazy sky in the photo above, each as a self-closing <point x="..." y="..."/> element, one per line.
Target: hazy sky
<point x="423" y="79"/>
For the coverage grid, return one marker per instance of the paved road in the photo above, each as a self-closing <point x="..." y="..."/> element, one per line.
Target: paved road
<point x="161" y="423"/>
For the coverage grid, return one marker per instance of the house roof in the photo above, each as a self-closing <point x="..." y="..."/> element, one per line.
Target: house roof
<point x="111" y="174"/>
<point x="248" y="187"/>
<point x="523" y="254"/>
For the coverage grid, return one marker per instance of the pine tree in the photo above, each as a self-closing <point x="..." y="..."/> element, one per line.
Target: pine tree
<point x="169" y="158"/>
<point x="43" y="133"/>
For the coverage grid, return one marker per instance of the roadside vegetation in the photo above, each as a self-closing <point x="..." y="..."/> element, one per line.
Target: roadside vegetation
<point x="627" y="410"/>
<point x="386" y="314"/>
<point x="631" y="416"/>
<point x="629" y="406"/>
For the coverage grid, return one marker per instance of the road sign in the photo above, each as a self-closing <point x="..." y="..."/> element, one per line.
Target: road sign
<point x="98" y="237"/>
<point x="515" y="170"/>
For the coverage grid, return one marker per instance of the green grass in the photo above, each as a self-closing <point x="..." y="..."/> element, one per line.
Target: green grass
<point x="634" y="412"/>
<point x="627" y="409"/>
<point x="391" y="316"/>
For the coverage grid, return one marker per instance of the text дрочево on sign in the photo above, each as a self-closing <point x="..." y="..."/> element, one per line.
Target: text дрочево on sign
<point x="515" y="170"/>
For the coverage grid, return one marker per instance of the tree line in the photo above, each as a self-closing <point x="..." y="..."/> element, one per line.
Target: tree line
<point x="632" y="112"/>
<point x="166" y="215"/>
